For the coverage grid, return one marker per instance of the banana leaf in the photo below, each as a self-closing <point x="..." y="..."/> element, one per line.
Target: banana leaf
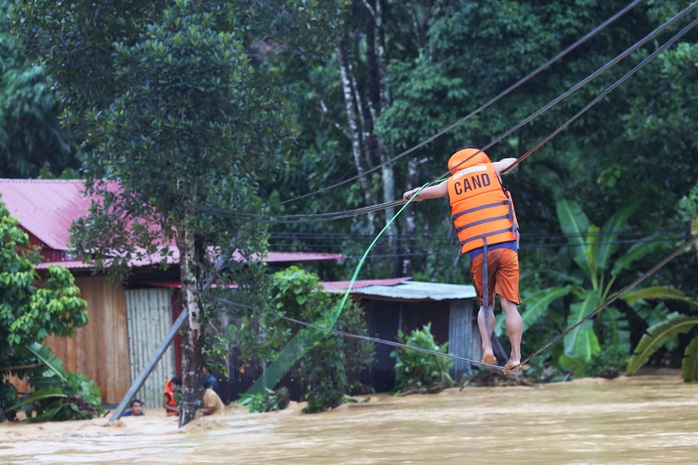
<point x="609" y="233"/>
<point x="649" y="245"/>
<point x="591" y="255"/>
<point x="616" y="328"/>
<point x="689" y="365"/>
<point x="582" y="341"/>
<point x="584" y="344"/>
<point x="659" y="292"/>
<point x="574" y="224"/>
<point x="41" y="394"/>
<point x="53" y="363"/>
<point x="657" y="336"/>
<point x="576" y="365"/>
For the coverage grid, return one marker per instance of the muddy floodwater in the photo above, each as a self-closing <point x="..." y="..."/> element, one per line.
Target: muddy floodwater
<point x="639" y="420"/>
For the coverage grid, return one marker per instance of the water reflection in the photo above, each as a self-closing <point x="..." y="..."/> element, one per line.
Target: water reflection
<point x="641" y="420"/>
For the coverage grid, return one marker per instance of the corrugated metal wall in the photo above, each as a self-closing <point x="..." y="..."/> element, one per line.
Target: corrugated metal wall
<point x="463" y="336"/>
<point x="149" y="314"/>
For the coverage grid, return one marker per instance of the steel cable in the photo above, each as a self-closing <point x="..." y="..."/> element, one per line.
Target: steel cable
<point x="507" y="91"/>
<point x="300" y="218"/>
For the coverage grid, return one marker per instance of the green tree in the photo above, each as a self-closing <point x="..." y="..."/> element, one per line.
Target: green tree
<point x="31" y="308"/>
<point x="32" y="141"/>
<point x="179" y="108"/>
<point x="331" y="367"/>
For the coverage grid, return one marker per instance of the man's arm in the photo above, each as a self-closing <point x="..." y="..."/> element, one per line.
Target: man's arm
<point x="431" y="192"/>
<point x="503" y="164"/>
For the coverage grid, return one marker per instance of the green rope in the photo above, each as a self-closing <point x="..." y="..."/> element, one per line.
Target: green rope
<point x="308" y="337"/>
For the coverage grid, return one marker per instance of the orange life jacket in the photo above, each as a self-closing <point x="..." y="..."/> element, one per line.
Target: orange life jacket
<point x="170" y="395"/>
<point x="481" y="208"/>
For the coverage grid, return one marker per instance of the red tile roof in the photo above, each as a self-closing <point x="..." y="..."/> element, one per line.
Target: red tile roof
<point x="47" y="208"/>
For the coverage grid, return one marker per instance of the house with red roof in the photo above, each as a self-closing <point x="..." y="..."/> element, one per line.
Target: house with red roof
<point x="128" y="320"/>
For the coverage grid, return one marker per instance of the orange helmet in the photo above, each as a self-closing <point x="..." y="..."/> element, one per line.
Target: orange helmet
<point x="467" y="156"/>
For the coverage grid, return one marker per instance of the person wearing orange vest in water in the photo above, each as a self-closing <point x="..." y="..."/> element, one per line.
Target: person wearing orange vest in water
<point x="483" y="214"/>
<point x="168" y="397"/>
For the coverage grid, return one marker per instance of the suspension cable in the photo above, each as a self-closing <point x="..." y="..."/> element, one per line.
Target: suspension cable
<point x="365" y="338"/>
<point x="639" y="66"/>
<point x="642" y="277"/>
<point x="286" y="219"/>
<point x="616" y="296"/>
<point x="513" y="87"/>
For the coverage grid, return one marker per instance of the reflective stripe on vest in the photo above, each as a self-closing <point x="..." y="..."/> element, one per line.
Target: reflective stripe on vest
<point x="481" y="208"/>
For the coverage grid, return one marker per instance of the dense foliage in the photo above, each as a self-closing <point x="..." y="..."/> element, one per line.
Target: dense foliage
<point x="59" y="395"/>
<point x="403" y="73"/>
<point x="209" y="113"/>
<point x="173" y="100"/>
<point x="32" y="141"/>
<point x="332" y="365"/>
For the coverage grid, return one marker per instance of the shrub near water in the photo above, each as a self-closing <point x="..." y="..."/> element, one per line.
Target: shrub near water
<point x="418" y="371"/>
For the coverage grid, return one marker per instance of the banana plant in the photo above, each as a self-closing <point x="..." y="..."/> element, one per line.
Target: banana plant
<point x="59" y="395"/>
<point x="594" y="250"/>
<point x="660" y="334"/>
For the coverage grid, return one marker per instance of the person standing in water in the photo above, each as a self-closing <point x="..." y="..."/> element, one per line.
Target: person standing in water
<point x="483" y="214"/>
<point x="169" y="402"/>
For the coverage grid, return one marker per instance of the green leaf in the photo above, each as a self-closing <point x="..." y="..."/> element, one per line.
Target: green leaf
<point x="574" y="224"/>
<point x="659" y="292"/>
<point x="636" y="252"/>
<point x="536" y="304"/>
<point x="576" y="365"/>
<point x="609" y="234"/>
<point x="689" y="365"/>
<point x="41" y="394"/>
<point x="582" y="341"/>
<point x="657" y="336"/>
<point x="43" y="353"/>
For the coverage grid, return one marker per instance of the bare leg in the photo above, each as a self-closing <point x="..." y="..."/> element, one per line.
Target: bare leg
<point x="485" y="334"/>
<point x="514" y="329"/>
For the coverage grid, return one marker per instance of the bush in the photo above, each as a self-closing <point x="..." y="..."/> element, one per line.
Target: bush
<point x="609" y="362"/>
<point x="268" y="401"/>
<point x="418" y="371"/>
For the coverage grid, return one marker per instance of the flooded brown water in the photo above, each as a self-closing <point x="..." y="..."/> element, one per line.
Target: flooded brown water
<point x="639" y="420"/>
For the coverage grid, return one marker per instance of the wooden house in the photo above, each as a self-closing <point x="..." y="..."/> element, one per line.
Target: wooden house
<point x="128" y="320"/>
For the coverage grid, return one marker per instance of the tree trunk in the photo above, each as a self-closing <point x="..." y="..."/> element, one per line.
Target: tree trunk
<point x="193" y="351"/>
<point x="352" y="102"/>
<point x="410" y="218"/>
<point x="377" y="48"/>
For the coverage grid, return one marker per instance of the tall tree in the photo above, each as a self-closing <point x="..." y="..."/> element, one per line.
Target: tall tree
<point x="186" y="117"/>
